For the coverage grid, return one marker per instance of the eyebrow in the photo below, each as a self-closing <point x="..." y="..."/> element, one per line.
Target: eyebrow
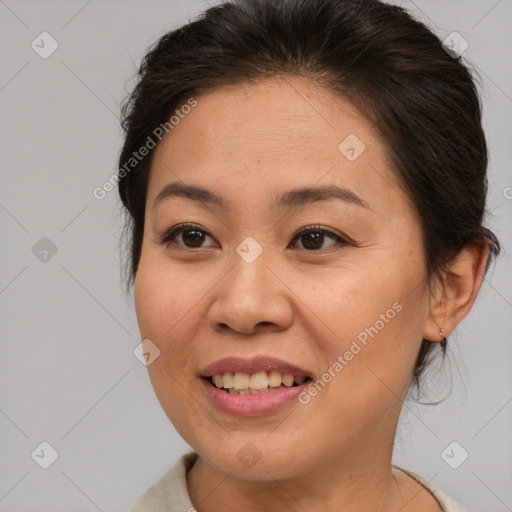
<point x="300" y="196"/>
<point x="291" y="199"/>
<point x="199" y="194"/>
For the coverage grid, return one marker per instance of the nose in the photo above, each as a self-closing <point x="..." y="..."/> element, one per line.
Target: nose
<point x="251" y="299"/>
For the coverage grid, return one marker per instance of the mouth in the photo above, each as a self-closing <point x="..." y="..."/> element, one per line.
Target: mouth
<point x="254" y="386"/>
<point x="242" y="383"/>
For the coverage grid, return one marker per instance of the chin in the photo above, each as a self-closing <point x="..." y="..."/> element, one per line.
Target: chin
<point x="253" y="457"/>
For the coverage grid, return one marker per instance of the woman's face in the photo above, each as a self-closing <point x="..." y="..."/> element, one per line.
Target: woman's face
<point x="345" y="305"/>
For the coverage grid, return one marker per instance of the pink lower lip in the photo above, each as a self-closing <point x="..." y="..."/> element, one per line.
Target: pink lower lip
<point x="252" y="405"/>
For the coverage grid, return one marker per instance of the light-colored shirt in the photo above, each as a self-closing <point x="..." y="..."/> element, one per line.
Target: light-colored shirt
<point x="170" y="494"/>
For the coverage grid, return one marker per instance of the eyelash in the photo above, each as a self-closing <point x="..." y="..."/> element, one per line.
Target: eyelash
<point x="167" y="238"/>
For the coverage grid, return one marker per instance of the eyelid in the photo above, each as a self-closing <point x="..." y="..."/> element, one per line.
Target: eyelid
<point x="340" y="239"/>
<point x="167" y="236"/>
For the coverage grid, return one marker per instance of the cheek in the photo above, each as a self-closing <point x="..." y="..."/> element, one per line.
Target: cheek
<point x="161" y="305"/>
<point x="379" y="355"/>
<point x="373" y="318"/>
<point x="163" y="297"/>
<point x="164" y="314"/>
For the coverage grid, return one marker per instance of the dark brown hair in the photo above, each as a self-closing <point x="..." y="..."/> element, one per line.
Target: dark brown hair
<point x="393" y="68"/>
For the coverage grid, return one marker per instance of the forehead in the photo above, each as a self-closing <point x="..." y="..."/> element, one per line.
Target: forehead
<point x="272" y="117"/>
<point x="268" y="135"/>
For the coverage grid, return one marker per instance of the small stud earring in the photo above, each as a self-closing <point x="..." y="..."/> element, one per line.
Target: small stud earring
<point x="443" y="338"/>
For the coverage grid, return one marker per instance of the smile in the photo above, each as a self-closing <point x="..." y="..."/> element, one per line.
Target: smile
<point x="256" y="383"/>
<point x="252" y="386"/>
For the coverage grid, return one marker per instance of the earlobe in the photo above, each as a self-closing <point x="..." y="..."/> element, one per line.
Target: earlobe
<point x="456" y="292"/>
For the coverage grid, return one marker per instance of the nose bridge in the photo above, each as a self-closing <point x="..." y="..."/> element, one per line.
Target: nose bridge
<point x="251" y="296"/>
<point x="250" y="270"/>
<point x="249" y="278"/>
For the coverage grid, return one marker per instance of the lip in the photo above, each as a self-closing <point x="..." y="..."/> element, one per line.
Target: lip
<point x="252" y="405"/>
<point x="253" y="365"/>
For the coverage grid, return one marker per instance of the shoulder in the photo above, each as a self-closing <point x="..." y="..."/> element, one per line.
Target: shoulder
<point x="169" y="492"/>
<point x="447" y="503"/>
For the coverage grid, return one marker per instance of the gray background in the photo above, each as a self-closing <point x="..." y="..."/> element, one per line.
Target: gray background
<point x="68" y="375"/>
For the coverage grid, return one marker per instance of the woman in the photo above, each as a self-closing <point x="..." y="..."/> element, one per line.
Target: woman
<point x="305" y="184"/>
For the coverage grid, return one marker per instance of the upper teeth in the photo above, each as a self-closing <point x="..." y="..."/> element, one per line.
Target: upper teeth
<point x="259" y="380"/>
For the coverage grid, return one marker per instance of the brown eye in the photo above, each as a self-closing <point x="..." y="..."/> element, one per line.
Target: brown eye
<point x="193" y="237"/>
<point x="313" y="239"/>
<point x="186" y="236"/>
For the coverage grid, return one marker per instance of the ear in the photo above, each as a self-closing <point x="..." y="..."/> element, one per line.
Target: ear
<point x="456" y="292"/>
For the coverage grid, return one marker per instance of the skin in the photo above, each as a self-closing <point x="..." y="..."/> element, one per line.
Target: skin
<point x="249" y="144"/>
